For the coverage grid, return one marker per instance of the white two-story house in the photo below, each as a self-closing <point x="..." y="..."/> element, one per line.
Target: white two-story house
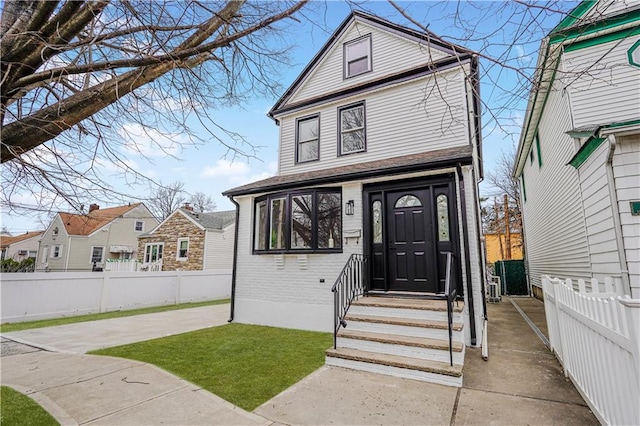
<point x="579" y="155"/>
<point x="379" y="159"/>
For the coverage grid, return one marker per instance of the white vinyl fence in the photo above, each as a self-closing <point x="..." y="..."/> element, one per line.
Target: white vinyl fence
<point x="596" y="337"/>
<point x="42" y="295"/>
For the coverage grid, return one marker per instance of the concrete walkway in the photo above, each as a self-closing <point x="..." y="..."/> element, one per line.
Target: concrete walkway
<point x="521" y="383"/>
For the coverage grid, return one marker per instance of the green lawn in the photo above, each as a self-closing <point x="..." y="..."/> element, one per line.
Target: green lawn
<point x="18" y="409"/>
<point x="9" y="327"/>
<point x="244" y="364"/>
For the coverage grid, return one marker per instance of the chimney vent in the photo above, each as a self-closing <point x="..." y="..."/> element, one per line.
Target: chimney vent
<point x="187" y="206"/>
<point x="93" y="207"/>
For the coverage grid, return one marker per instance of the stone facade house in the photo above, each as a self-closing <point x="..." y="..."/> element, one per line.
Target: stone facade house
<point x="189" y="241"/>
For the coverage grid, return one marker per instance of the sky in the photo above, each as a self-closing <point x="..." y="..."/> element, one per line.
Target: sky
<point x="505" y="31"/>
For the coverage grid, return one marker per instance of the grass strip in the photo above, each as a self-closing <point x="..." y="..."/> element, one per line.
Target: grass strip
<point x="245" y="364"/>
<point x="18" y="326"/>
<point x="18" y="409"/>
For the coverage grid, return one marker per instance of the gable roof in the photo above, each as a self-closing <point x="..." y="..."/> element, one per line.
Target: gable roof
<point x="85" y="224"/>
<point x="427" y="37"/>
<point x="6" y="241"/>
<point x="390" y="166"/>
<point x="579" y="25"/>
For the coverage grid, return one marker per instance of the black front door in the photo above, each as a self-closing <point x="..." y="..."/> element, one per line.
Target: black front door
<point x="409" y="228"/>
<point x="410" y="241"/>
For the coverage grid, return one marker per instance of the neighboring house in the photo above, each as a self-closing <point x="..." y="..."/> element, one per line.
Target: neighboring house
<point x="379" y="156"/>
<point x="578" y="160"/>
<point x="498" y="249"/>
<point x="20" y="247"/>
<point x="190" y="241"/>
<point x="80" y="242"/>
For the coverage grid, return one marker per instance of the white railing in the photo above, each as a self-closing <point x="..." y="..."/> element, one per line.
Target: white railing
<point x="122" y="265"/>
<point x="42" y="295"/>
<point x="596" y="336"/>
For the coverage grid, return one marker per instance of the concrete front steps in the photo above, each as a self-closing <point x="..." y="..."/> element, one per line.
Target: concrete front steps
<point x="402" y="337"/>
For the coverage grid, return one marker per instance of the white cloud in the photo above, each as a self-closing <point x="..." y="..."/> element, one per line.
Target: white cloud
<point x="151" y="142"/>
<point x="237" y="173"/>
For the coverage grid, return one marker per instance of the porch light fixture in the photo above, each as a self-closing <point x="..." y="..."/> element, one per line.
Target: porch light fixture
<point x="349" y="208"/>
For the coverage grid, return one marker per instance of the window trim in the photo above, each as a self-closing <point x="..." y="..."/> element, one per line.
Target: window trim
<point x="298" y="121"/>
<point x="135" y="223"/>
<point x="345" y="62"/>
<point x="144" y="254"/>
<point x="364" y="126"/>
<point x="53" y="251"/>
<point x="91" y="261"/>
<point x="185" y="258"/>
<point x="287" y="222"/>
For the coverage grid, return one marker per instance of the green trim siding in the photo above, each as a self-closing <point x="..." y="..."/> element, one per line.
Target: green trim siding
<point x="606" y="38"/>
<point x="538" y="149"/>
<point x="595" y="27"/>
<point x="585" y="151"/>
<point x="574" y="15"/>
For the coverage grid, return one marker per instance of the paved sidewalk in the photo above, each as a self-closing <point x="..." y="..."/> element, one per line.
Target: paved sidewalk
<point x="521" y="383"/>
<point x="83" y="337"/>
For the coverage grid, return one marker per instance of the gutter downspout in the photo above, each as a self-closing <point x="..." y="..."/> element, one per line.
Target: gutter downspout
<point x="465" y="232"/>
<point x="617" y="226"/>
<point x="235" y="259"/>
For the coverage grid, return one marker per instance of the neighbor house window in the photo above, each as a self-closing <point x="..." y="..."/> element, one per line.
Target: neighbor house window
<point x="301" y="221"/>
<point x="357" y="56"/>
<point x="352" y="129"/>
<point x="97" y="253"/>
<point x="183" y="249"/>
<point x="45" y="254"/>
<point x="139" y="226"/>
<point x="56" y="251"/>
<point x="308" y="139"/>
<point x="153" y="252"/>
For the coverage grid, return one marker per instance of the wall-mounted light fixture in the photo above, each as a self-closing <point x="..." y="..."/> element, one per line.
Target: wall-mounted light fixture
<point x="349" y="208"/>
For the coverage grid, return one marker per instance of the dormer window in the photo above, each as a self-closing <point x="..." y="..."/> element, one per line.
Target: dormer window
<point x="307" y="139"/>
<point x="357" y="56"/>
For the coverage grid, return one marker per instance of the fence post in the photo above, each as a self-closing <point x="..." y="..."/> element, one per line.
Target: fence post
<point x="631" y="308"/>
<point x="104" y="292"/>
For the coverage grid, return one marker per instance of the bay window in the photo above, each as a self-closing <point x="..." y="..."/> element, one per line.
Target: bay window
<point x="304" y="221"/>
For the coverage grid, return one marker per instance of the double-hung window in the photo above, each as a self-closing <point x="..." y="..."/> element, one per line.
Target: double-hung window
<point x="357" y="56"/>
<point x="352" y="129"/>
<point x="56" y="251"/>
<point x="305" y="221"/>
<point x="139" y="226"/>
<point x="308" y="139"/>
<point x="183" y="249"/>
<point x="97" y="253"/>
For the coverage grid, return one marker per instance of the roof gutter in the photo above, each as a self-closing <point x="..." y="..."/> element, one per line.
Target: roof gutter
<point x="235" y="260"/>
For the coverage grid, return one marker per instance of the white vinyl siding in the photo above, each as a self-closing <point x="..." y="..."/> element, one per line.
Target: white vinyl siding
<point x="385" y="56"/>
<point x="603" y="86"/>
<point x="219" y="248"/>
<point x="599" y="215"/>
<point x="427" y="114"/>
<point x="554" y="222"/>
<point x="626" y="171"/>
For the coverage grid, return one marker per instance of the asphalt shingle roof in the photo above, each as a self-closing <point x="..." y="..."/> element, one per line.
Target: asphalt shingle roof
<point x="212" y="220"/>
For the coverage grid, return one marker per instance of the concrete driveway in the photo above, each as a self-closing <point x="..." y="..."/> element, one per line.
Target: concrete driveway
<point x="83" y="337"/>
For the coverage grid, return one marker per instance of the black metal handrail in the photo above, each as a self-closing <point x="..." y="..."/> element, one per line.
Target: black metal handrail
<point x="348" y="286"/>
<point x="451" y="294"/>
